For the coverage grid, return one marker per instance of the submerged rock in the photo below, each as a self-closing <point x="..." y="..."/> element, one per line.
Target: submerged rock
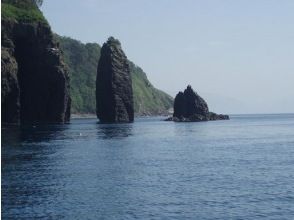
<point x="35" y="83"/>
<point x="213" y="116"/>
<point x="114" y="93"/>
<point x="190" y="107"/>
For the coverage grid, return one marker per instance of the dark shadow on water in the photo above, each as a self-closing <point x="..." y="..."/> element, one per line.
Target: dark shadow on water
<point x="23" y="143"/>
<point x="29" y="160"/>
<point x="14" y="135"/>
<point x="113" y="131"/>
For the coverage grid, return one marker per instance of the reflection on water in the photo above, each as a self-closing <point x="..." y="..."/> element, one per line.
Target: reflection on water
<point x="151" y="169"/>
<point x="15" y="134"/>
<point x="27" y="142"/>
<point x="10" y="135"/>
<point x="109" y="131"/>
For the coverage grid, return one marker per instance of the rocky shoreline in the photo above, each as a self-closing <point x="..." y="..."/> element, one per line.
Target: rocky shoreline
<point x="197" y="118"/>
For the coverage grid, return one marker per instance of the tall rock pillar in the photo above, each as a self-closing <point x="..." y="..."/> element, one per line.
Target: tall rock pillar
<point x="114" y="93"/>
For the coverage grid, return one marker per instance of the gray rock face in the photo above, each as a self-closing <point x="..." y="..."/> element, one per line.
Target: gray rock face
<point x="114" y="93"/>
<point x="190" y="107"/>
<point x="189" y="103"/>
<point x="35" y="83"/>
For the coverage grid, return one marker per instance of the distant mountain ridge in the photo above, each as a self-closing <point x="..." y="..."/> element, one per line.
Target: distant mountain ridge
<point x="82" y="61"/>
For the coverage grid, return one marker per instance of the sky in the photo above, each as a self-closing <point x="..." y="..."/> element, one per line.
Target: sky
<point x="236" y="54"/>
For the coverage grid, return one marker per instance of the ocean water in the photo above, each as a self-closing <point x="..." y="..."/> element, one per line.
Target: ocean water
<point x="237" y="169"/>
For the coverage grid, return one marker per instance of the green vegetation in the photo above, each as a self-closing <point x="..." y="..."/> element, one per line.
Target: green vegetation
<point x="147" y="99"/>
<point x="82" y="61"/>
<point x="22" y="11"/>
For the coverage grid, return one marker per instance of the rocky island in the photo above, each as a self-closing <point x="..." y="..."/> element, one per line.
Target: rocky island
<point x="114" y="93"/>
<point x="34" y="80"/>
<point x="190" y="107"/>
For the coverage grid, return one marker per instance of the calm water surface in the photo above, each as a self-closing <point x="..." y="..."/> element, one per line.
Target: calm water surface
<point x="151" y="169"/>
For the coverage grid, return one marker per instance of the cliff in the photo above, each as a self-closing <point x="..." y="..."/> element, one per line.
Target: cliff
<point x="114" y="92"/>
<point x="35" y="83"/>
<point x="82" y="61"/>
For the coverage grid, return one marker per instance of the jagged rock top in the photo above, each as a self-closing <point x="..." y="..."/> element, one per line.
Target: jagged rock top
<point x="112" y="41"/>
<point x="195" y="103"/>
<point x="189" y="106"/>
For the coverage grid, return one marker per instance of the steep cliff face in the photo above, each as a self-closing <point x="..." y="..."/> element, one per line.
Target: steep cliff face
<point x="82" y="61"/>
<point x="114" y="93"/>
<point x="189" y="106"/>
<point x="35" y="83"/>
<point x="10" y="100"/>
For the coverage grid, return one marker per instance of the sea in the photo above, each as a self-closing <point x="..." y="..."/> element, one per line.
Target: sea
<point x="241" y="168"/>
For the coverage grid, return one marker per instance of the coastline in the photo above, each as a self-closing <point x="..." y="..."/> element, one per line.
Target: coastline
<point x="77" y="116"/>
<point x="81" y="115"/>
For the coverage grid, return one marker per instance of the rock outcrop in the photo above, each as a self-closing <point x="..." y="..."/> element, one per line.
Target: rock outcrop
<point x="35" y="83"/>
<point x="114" y="93"/>
<point x="190" y="107"/>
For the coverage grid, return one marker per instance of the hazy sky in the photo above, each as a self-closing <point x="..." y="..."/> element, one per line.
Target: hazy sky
<point x="237" y="54"/>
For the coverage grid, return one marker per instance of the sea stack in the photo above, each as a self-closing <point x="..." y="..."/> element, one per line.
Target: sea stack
<point x="35" y="82"/>
<point x="114" y="93"/>
<point x="190" y="107"/>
